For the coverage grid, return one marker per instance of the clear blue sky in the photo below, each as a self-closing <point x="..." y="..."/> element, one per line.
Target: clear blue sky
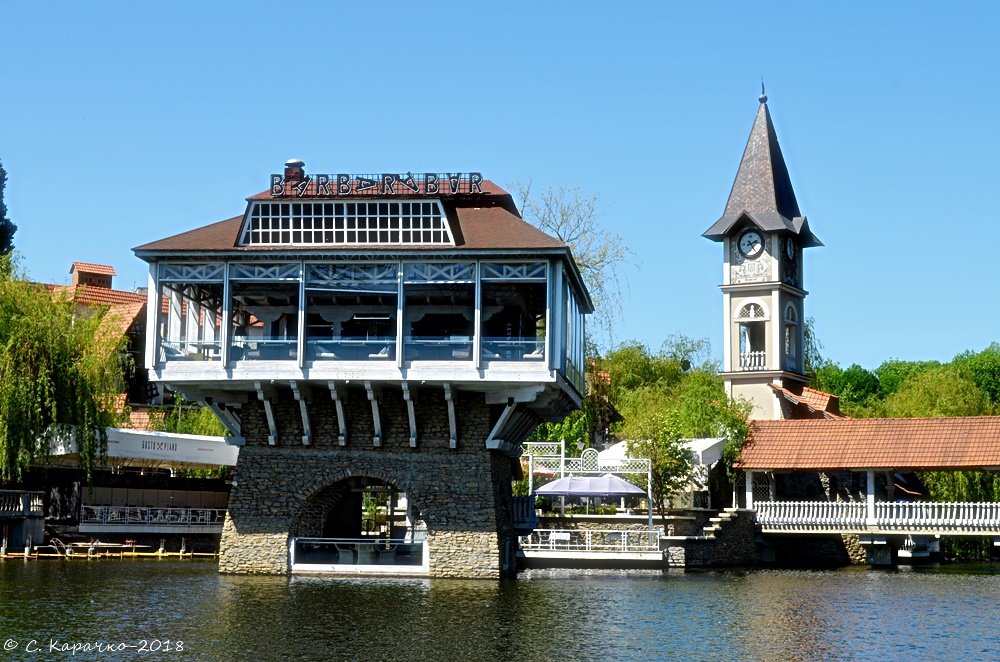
<point x="121" y="123"/>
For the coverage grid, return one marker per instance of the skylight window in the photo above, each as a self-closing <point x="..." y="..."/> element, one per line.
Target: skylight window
<point x="405" y="222"/>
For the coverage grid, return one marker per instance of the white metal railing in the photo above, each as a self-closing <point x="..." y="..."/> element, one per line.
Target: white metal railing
<point x="753" y="360"/>
<point x="122" y="515"/>
<point x="20" y="504"/>
<point x="892" y="516"/>
<point x="592" y="540"/>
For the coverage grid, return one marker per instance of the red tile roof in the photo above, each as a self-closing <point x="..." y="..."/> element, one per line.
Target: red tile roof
<point x="810" y="402"/>
<point x="91" y="268"/>
<point x="89" y="295"/>
<point x="873" y="443"/>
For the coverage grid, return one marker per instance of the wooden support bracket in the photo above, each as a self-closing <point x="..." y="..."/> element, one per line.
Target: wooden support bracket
<point x="300" y="394"/>
<point x="452" y="427"/>
<point x="408" y="397"/>
<point x="376" y="421"/>
<point x="265" y="397"/>
<point x="341" y="423"/>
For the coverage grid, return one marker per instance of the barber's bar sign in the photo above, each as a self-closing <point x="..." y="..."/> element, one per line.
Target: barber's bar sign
<point x="387" y="183"/>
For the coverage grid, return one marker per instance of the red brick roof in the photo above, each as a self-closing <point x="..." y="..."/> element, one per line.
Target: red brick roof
<point x="89" y="295"/>
<point x="91" y="268"/>
<point x="873" y="443"/>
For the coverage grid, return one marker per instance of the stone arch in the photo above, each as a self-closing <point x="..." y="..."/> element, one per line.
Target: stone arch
<point x="333" y="510"/>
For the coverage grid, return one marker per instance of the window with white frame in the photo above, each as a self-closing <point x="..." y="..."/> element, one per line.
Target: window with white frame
<point x="403" y="222"/>
<point x="791" y="323"/>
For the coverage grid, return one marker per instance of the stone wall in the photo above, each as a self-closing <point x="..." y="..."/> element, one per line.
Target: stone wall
<point x="462" y="494"/>
<point x="732" y="545"/>
<point x="687" y="524"/>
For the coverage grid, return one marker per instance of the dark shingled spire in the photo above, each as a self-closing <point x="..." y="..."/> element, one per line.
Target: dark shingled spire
<point x="763" y="191"/>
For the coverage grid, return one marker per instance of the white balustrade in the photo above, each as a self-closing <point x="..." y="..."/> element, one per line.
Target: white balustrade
<point x="903" y="516"/>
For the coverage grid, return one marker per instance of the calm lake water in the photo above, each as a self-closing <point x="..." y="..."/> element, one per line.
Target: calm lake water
<point x="945" y="613"/>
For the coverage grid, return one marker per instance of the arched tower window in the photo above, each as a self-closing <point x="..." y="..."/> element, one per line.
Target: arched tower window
<point x="752" y="319"/>
<point x="791" y="323"/>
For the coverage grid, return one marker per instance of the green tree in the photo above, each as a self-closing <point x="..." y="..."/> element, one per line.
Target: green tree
<point x="188" y="418"/>
<point x="672" y="463"/>
<point x="984" y="368"/>
<point x="7" y="228"/>
<point x="892" y="374"/>
<point x="940" y="391"/>
<point x="60" y="374"/>
<point x="856" y="386"/>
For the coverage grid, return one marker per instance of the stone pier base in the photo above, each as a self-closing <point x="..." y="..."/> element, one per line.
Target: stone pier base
<point x="463" y="494"/>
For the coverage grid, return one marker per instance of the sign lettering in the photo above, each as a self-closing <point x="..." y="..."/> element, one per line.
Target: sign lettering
<point x="343" y="185"/>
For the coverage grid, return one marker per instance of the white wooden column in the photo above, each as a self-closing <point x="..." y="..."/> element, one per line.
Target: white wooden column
<point x="870" y="510"/>
<point x="749" y="489"/>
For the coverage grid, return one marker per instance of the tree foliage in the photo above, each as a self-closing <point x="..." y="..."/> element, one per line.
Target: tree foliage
<point x="671" y="462"/>
<point x="60" y="374"/>
<point x="7" y="228"/>
<point x="940" y="391"/>
<point x="572" y="217"/>
<point x="188" y="418"/>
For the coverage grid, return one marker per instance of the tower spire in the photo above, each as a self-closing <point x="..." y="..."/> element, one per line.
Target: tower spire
<point x="762" y="190"/>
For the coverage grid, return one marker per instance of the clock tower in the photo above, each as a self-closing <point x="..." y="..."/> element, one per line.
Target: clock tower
<point x="763" y="235"/>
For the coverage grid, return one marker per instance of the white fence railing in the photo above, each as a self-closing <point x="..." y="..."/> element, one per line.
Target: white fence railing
<point x="123" y="515"/>
<point x="888" y="516"/>
<point x="592" y="540"/>
<point x="753" y="360"/>
<point x="20" y="504"/>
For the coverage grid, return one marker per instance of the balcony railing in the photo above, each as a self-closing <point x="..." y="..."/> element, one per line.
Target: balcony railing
<point x="351" y="349"/>
<point x="182" y="350"/>
<point x="753" y="361"/>
<point x="264" y="348"/>
<point x="513" y="349"/>
<point x="592" y="540"/>
<point x="16" y="503"/>
<point x="913" y="516"/>
<point x="148" y="516"/>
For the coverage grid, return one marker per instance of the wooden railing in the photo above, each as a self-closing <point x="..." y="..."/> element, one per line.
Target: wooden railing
<point x="846" y="516"/>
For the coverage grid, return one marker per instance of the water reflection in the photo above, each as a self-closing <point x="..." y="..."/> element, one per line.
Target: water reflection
<point x="846" y="614"/>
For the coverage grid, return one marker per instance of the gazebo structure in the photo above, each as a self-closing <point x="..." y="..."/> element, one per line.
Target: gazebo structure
<point x="842" y="477"/>
<point x="380" y="345"/>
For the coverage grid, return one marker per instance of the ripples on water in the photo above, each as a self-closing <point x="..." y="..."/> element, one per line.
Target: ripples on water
<point x="544" y="615"/>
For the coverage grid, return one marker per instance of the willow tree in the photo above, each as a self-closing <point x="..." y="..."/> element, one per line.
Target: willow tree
<point x="60" y="374"/>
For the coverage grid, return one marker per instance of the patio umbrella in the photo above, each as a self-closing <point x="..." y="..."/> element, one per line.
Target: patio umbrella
<point x="607" y="485"/>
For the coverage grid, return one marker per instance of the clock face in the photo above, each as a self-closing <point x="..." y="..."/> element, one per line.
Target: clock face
<point x="790" y="248"/>
<point x="750" y="244"/>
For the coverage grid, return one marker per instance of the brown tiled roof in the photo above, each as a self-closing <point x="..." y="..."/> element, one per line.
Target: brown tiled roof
<point x="874" y="443"/>
<point x="91" y="268"/>
<point x="88" y="295"/>
<point x="808" y="401"/>
<point x="479" y="228"/>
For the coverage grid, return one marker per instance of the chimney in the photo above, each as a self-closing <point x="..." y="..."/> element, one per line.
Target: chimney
<point x="94" y="275"/>
<point x="294" y="170"/>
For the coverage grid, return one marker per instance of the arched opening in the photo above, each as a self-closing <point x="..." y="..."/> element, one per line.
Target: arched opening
<point x="358" y="524"/>
<point x="752" y="319"/>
